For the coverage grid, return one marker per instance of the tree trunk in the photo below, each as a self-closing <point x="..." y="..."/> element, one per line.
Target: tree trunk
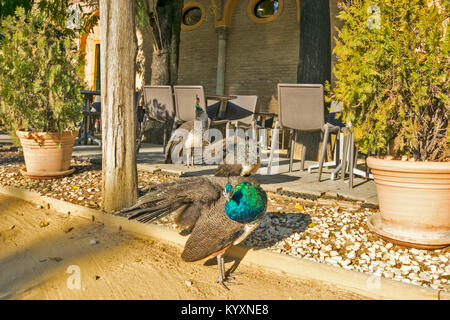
<point x="160" y="68"/>
<point x="174" y="46"/>
<point x="165" y="24"/>
<point x="314" y="58"/>
<point x="315" y="42"/>
<point x="118" y="65"/>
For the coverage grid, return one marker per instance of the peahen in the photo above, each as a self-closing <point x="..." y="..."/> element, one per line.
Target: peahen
<point x="185" y="138"/>
<point x="245" y="164"/>
<point x="218" y="214"/>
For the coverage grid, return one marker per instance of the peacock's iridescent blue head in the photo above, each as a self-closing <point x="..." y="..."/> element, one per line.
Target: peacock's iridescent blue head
<point x="247" y="203"/>
<point x="227" y="191"/>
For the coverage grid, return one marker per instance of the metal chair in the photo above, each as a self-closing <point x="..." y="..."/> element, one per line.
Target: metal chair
<point x="333" y="125"/>
<point x="184" y="104"/>
<point x="159" y="106"/>
<point x="300" y="107"/>
<point x="185" y="100"/>
<point x="349" y="151"/>
<point x="350" y="156"/>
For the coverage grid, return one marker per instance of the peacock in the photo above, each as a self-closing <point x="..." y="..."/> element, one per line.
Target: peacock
<point x="238" y="165"/>
<point x="218" y="211"/>
<point x="186" y="138"/>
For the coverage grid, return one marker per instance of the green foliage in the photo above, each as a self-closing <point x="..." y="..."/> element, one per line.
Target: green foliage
<point x="8" y="7"/>
<point x="39" y="85"/>
<point x="394" y="79"/>
<point x="55" y="10"/>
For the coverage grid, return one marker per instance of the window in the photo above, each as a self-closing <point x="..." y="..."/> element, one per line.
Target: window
<point x="266" y="8"/>
<point x="262" y="11"/>
<point x="192" y="16"/>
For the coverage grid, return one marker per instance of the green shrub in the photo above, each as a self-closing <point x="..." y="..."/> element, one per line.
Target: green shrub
<point x="393" y="76"/>
<point x="39" y="84"/>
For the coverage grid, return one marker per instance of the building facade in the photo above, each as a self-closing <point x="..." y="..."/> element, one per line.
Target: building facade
<point x="243" y="47"/>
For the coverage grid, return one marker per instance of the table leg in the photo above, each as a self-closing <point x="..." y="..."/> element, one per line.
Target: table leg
<point x="85" y="129"/>
<point x="85" y="120"/>
<point x="222" y="109"/>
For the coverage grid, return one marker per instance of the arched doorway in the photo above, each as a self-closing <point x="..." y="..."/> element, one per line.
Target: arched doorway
<point x="90" y="53"/>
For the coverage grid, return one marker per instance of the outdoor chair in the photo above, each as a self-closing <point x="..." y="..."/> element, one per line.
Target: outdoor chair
<point x="300" y="107"/>
<point x="159" y="106"/>
<point x="185" y="101"/>
<point x="350" y="156"/>
<point x="350" y="152"/>
<point x="333" y="125"/>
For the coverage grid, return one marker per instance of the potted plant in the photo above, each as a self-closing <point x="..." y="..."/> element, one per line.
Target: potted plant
<point x="40" y="98"/>
<point x="392" y="73"/>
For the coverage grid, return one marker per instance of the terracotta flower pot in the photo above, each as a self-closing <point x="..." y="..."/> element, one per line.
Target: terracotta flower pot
<point x="414" y="198"/>
<point x="47" y="154"/>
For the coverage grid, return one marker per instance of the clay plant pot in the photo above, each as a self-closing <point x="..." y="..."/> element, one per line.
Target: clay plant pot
<point x="47" y="154"/>
<point x="414" y="198"/>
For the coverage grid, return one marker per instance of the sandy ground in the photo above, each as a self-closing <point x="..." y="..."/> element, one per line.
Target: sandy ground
<point x="42" y="250"/>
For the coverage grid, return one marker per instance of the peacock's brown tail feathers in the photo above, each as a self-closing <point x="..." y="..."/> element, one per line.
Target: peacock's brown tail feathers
<point x="225" y="170"/>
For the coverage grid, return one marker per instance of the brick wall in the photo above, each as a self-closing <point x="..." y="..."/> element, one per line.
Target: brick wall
<point x="198" y="53"/>
<point x="260" y="55"/>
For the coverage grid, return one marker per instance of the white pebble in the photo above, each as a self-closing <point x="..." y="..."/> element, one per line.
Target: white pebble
<point x="351" y="255"/>
<point x="345" y="262"/>
<point x="404" y="259"/>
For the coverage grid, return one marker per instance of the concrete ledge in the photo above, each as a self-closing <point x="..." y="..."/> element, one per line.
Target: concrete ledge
<point x="358" y="282"/>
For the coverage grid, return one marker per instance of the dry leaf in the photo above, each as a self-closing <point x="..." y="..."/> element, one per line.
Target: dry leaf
<point x="57" y="259"/>
<point x="44" y="224"/>
<point x="68" y="230"/>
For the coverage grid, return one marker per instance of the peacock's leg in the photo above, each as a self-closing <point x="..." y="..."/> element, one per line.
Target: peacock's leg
<point x="188" y="156"/>
<point x="221" y="269"/>
<point x="222" y="277"/>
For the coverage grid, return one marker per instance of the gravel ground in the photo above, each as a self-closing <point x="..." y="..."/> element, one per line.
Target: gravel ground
<point x="335" y="233"/>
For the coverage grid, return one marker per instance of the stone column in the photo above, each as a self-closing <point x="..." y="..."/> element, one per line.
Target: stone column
<point x="221" y="59"/>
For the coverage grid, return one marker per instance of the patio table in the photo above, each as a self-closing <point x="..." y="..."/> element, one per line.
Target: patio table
<point x="223" y="104"/>
<point x="87" y="114"/>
